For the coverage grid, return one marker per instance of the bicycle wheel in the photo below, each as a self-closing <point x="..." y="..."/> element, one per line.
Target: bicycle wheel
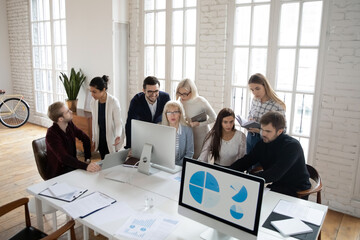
<point x="18" y="117"/>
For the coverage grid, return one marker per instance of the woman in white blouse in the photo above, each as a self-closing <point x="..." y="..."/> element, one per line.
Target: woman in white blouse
<point x="107" y="127"/>
<point x="224" y="144"/>
<point x="193" y="106"/>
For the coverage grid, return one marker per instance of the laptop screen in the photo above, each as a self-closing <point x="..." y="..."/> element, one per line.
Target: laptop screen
<point x="221" y="195"/>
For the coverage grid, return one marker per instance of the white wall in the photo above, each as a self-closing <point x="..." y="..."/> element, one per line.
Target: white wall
<point x="5" y="70"/>
<point x="89" y="40"/>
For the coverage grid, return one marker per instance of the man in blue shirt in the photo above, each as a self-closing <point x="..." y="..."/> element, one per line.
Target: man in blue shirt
<point x="147" y="105"/>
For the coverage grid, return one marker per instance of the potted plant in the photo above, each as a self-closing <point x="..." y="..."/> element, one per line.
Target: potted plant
<point x="72" y="86"/>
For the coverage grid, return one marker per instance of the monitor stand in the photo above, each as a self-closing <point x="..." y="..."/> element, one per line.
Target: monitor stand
<point x="212" y="234"/>
<point x="145" y="159"/>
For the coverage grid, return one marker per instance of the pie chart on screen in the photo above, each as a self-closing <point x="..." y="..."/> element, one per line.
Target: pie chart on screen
<point x="236" y="212"/>
<point x="204" y="189"/>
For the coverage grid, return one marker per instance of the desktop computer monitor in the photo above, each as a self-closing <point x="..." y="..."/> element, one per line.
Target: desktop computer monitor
<point x="155" y="144"/>
<point x="227" y="201"/>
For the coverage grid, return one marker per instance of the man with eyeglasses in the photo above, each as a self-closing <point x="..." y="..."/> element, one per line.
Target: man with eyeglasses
<point x="60" y="143"/>
<point x="147" y="105"/>
<point x="280" y="155"/>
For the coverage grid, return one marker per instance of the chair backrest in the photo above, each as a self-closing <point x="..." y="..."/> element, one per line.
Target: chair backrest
<point x="316" y="185"/>
<point x="39" y="148"/>
<point x="26" y="234"/>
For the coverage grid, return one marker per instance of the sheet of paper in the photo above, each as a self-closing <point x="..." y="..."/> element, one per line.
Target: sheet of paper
<point x="147" y="227"/>
<point x="116" y="211"/>
<point x="88" y="204"/>
<point x="60" y="189"/>
<point x="302" y="212"/>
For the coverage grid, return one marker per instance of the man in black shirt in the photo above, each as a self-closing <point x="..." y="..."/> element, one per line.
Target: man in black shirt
<point x="280" y="156"/>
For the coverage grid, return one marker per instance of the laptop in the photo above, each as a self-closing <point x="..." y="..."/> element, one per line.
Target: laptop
<point x="114" y="159"/>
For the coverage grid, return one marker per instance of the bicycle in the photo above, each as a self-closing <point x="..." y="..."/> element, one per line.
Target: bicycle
<point x="14" y="111"/>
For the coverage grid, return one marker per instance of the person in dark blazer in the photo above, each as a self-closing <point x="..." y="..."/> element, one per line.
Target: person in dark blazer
<point x="147" y="105"/>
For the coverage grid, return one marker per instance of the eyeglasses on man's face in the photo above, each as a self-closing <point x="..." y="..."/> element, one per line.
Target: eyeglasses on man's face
<point x="150" y="92"/>
<point x="183" y="94"/>
<point x="174" y="112"/>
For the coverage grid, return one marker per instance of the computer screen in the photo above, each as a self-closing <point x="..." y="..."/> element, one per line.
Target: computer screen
<point x="162" y="140"/>
<point x="226" y="200"/>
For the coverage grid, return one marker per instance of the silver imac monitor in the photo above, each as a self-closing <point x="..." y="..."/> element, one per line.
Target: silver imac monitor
<point x="227" y="201"/>
<point x="154" y="146"/>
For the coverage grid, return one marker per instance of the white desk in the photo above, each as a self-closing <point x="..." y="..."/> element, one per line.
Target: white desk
<point x="161" y="187"/>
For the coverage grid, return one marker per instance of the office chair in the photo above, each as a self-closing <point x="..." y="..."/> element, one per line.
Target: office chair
<point x="316" y="187"/>
<point x="30" y="232"/>
<point x="39" y="149"/>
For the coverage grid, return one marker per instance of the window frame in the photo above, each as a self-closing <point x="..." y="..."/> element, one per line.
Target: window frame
<point x="57" y="92"/>
<point x="169" y="82"/>
<point x="271" y="65"/>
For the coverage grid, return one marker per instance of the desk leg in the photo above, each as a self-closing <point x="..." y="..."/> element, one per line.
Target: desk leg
<point x="39" y="214"/>
<point x="86" y="232"/>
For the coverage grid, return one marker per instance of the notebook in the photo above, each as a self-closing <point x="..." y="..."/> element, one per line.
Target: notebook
<point x="201" y="117"/>
<point x="291" y="226"/>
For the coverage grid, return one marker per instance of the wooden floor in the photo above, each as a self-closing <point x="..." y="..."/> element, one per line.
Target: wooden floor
<point x="18" y="171"/>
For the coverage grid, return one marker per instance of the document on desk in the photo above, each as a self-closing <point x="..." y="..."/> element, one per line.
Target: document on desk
<point x="63" y="191"/>
<point x="302" y="212"/>
<point x="147" y="227"/>
<point x="87" y="205"/>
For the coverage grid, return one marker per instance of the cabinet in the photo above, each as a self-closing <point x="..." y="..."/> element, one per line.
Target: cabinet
<point x="83" y="120"/>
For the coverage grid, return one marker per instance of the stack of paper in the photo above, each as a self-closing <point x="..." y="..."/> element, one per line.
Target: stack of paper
<point x="88" y="205"/>
<point x="63" y="191"/>
<point x="299" y="211"/>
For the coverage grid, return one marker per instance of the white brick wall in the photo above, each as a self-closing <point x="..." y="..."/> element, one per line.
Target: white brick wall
<point x="20" y="50"/>
<point x="338" y="145"/>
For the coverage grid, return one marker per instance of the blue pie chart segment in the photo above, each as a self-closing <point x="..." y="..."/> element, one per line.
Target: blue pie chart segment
<point x="211" y="183"/>
<point x="236" y="212"/>
<point x="196" y="193"/>
<point x="204" y="188"/>
<point x="198" y="178"/>
<point x="241" y="195"/>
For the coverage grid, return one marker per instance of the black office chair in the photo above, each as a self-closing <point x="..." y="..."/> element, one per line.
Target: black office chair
<point x="39" y="149"/>
<point x="29" y="232"/>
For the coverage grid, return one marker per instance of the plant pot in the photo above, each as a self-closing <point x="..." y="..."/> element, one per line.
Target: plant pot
<point x="72" y="104"/>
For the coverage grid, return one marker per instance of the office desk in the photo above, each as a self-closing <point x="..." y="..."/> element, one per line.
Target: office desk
<point x="161" y="187"/>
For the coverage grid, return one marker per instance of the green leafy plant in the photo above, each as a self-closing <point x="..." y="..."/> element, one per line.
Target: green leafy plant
<point x="72" y="85"/>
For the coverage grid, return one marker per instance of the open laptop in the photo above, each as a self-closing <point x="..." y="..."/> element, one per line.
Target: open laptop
<point x="114" y="159"/>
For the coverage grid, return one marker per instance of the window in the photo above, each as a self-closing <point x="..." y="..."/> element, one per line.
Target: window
<point x="280" y="39"/>
<point x="48" y="28"/>
<point x="170" y="37"/>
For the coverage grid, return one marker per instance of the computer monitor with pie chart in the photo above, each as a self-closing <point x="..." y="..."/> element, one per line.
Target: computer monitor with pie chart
<point x="227" y="201"/>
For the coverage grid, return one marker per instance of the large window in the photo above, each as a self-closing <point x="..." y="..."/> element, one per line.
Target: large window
<point x="48" y="28"/>
<point x="280" y="39"/>
<point x="170" y="37"/>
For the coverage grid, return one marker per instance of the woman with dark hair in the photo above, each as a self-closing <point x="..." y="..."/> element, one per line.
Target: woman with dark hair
<point x="265" y="100"/>
<point x="223" y="145"/>
<point x="107" y="126"/>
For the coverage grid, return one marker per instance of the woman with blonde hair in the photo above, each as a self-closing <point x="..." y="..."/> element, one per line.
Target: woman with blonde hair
<point x="265" y="100"/>
<point x="198" y="112"/>
<point x="173" y="116"/>
<point x="224" y="144"/>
